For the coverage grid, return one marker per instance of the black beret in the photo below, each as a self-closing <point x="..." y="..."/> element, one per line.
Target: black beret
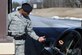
<point x="27" y="7"/>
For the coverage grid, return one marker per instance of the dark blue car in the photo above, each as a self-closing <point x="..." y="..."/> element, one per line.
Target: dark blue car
<point x="63" y="37"/>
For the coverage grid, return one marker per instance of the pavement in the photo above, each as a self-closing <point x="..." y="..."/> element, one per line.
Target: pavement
<point x="45" y="22"/>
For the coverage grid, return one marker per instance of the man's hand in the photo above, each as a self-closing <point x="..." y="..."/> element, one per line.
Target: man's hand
<point x="41" y="39"/>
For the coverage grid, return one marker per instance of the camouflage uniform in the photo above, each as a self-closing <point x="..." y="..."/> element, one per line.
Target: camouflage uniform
<point x="18" y="25"/>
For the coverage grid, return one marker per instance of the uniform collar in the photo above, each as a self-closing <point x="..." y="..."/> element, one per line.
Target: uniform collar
<point x="19" y="13"/>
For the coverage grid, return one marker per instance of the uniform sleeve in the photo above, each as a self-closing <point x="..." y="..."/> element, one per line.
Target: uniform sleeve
<point x="9" y="20"/>
<point x="31" y="31"/>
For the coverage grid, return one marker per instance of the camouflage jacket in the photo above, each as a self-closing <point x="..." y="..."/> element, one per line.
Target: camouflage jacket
<point x="18" y="25"/>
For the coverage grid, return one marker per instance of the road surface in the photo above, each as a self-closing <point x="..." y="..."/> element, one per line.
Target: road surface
<point x="45" y="22"/>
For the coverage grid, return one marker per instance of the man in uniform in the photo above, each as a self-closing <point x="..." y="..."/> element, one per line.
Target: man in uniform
<point x="19" y="27"/>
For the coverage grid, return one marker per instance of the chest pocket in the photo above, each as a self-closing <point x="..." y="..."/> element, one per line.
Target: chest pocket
<point x="18" y="21"/>
<point x="17" y="24"/>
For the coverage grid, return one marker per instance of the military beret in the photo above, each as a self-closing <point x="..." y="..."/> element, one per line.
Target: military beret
<point x="27" y="7"/>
